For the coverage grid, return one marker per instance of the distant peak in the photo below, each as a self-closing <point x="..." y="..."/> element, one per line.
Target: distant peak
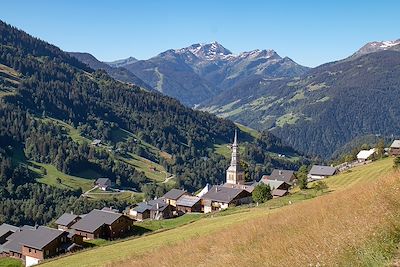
<point x="376" y="46"/>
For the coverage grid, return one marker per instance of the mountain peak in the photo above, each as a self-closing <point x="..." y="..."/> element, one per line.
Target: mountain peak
<point x="207" y="51"/>
<point x="376" y="46"/>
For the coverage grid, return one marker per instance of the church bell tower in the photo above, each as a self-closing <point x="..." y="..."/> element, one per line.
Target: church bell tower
<point x="235" y="174"/>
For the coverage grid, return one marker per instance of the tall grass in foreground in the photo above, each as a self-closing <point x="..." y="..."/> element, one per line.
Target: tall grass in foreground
<point x="358" y="226"/>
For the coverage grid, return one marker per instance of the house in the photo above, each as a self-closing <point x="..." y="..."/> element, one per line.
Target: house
<point x="103" y="183"/>
<point x="283" y="175"/>
<point x="278" y="188"/>
<point x="66" y="220"/>
<point x="33" y="245"/>
<point x="187" y="203"/>
<point x="221" y="197"/>
<point x="172" y="196"/>
<point x="153" y="209"/>
<point x="103" y="224"/>
<point x="43" y="243"/>
<point x="5" y="231"/>
<point x="365" y="155"/>
<point x="248" y="187"/>
<point x="395" y="148"/>
<point x="96" y="142"/>
<point x="319" y="172"/>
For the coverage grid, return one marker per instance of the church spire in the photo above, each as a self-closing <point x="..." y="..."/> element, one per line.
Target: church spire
<point x="234" y="174"/>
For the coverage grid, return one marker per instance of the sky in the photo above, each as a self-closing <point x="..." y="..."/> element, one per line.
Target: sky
<point x="309" y="32"/>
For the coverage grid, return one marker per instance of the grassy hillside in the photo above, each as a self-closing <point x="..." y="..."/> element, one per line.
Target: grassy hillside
<point x="359" y="206"/>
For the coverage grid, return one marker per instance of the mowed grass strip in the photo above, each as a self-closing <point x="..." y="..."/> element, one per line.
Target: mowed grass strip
<point x="225" y="230"/>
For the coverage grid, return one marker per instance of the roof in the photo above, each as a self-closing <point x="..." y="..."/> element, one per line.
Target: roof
<point x="187" y="201"/>
<point x="6" y="228"/>
<point x="151" y="205"/>
<point x="40" y="237"/>
<point x="365" y="154"/>
<point x="322" y="170"/>
<point x="279" y="192"/>
<point x="282" y="175"/>
<point x="273" y="184"/>
<point x="66" y="219"/>
<point x="95" y="219"/>
<point x="96" y="142"/>
<point x="395" y="144"/>
<point x="15" y="239"/>
<point x="249" y="188"/>
<point x="174" y="194"/>
<point x="222" y="194"/>
<point x="103" y="181"/>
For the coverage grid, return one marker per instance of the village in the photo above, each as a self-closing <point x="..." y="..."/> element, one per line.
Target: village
<point x="33" y="244"/>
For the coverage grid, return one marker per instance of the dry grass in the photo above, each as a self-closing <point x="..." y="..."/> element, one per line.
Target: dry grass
<point x="358" y="226"/>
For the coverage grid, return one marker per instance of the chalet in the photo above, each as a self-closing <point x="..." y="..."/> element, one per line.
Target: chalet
<point x="173" y="195"/>
<point x="43" y="243"/>
<point x="5" y="231"/>
<point x="286" y="176"/>
<point x="153" y="209"/>
<point x="221" y="197"/>
<point x="278" y="188"/>
<point x="365" y="155"/>
<point x="395" y="148"/>
<point x="103" y="224"/>
<point x="67" y="220"/>
<point x="103" y="183"/>
<point x="319" y="172"/>
<point x="33" y="245"/>
<point x="187" y="203"/>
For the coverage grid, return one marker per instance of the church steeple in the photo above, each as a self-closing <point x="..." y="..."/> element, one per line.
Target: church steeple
<point x="235" y="174"/>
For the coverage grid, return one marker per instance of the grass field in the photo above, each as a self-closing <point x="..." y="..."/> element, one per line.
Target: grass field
<point x="335" y="223"/>
<point x="9" y="262"/>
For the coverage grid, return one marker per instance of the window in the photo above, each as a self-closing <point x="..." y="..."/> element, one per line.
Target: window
<point x="30" y="250"/>
<point x="47" y="252"/>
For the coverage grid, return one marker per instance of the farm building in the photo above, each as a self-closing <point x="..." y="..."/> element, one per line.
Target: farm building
<point x="188" y="203"/>
<point x="365" y="155"/>
<point x="395" y="148"/>
<point x="153" y="209"/>
<point x="283" y="175"/>
<point x="173" y="195"/>
<point x="67" y="220"/>
<point x="104" y="183"/>
<point x="221" y="197"/>
<point x="103" y="224"/>
<point x="319" y="172"/>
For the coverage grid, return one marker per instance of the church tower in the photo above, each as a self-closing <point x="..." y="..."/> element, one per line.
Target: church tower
<point x="235" y="174"/>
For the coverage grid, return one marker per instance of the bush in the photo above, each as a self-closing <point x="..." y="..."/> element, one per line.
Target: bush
<point x="261" y="193"/>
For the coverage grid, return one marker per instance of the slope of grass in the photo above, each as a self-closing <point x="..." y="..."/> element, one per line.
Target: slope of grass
<point x="67" y="181"/>
<point x="9" y="262"/>
<point x="274" y="234"/>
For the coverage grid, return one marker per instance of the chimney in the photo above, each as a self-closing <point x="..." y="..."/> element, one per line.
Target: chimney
<point x="280" y="172"/>
<point x="157" y="206"/>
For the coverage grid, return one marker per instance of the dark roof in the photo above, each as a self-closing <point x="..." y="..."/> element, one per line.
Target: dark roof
<point x="322" y="170"/>
<point x="222" y="194"/>
<point x="66" y="219"/>
<point x="187" y="201"/>
<point x="7" y="228"/>
<point x="151" y="205"/>
<point x="103" y="181"/>
<point x="40" y="237"/>
<point x="282" y="175"/>
<point x="273" y="184"/>
<point x="174" y="194"/>
<point x="279" y="192"/>
<point x="95" y="219"/>
<point x="15" y="239"/>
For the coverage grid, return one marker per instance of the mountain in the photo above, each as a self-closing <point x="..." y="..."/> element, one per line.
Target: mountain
<point x="116" y="72"/>
<point x="197" y="73"/>
<point x="326" y="108"/>
<point x="121" y="62"/>
<point x="51" y="108"/>
<point x="378" y="46"/>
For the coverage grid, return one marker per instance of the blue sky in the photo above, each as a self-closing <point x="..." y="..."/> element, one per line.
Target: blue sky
<point x="310" y="32"/>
